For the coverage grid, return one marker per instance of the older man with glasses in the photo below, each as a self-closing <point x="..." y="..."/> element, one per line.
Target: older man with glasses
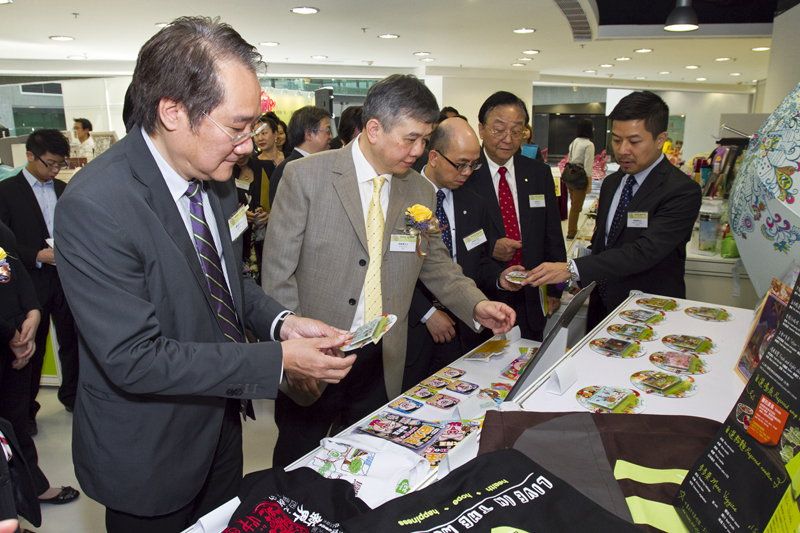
<point x="436" y="336"/>
<point x="522" y="206"/>
<point x="27" y="207"/>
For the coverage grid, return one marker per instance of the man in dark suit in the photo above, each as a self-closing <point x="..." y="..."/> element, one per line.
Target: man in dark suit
<point x="522" y="205"/>
<point x="436" y="337"/>
<point x="27" y="207"/>
<point x="149" y="238"/>
<point x="645" y="215"/>
<point x="309" y="132"/>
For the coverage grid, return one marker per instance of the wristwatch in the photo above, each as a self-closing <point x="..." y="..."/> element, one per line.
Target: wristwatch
<point x="573" y="271"/>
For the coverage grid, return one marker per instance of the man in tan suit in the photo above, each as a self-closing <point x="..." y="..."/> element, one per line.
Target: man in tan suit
<point x="331" y="252"/>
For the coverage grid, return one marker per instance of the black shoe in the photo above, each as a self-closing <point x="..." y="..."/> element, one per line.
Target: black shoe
<point x="32" y="428"/>
<point x="66" y="495"/>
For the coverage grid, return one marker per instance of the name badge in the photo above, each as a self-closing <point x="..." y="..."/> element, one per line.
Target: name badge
<point x="241" y="184"/>
<point x="637" y="219"/>
<point x="536" y="200"/>
<point x="238" y="222"/>
<point x="401" y="242"/>
<point x="474" y="239"/>
<point x="557" y="185"/>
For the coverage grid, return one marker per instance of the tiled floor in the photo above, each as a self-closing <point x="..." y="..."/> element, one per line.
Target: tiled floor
<point x="54" y="443"/>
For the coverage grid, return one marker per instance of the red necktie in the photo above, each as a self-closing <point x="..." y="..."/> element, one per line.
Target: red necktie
<point x="509" y="211"/>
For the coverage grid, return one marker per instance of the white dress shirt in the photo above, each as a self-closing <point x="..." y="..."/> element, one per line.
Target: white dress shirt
<point x="85" y="149"/>
<point x="510" y="178"/>
<point x="364" y="175"/>
<point x="45" y="193"/>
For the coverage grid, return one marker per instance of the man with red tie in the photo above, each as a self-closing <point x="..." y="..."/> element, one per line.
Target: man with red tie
<point x="522" y="205"/>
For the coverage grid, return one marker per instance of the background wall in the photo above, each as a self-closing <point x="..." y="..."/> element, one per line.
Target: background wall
<point x="98" y="99"/>
<point x="784" y="66"/>
<point x="467" y="94"/>
<point x="11" y="97"/>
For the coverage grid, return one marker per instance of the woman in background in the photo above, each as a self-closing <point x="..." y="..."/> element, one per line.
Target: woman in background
<point x="581" y="152"/>
<point x="349" y="126"/>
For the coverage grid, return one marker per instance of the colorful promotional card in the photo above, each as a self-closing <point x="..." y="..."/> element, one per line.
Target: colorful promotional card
<point x="405" y="405"/>
<point x="658" y="304"/>
<point x="709" y="314"/>
<point x="487" y="350"/>
<point x="421" y="393"/>
<point x="450" y="372"/>
<point x="371" y="332"/>
<point x="462" y="387"/>
<point x="642" y="316"/>
<point x="517" y="366"/>
<point x="516" y="276"/>
<point x="451" y="436"/>
<point x="608" y="399"/>
<point x="679" y="362"/>
<point x="689" y="343"/>
<point x="633" y="332"/>
<point x="617" y="348"/>
<point x="435" y="382"/>
<point x="442" y="401"/>
<point x="496" y="391"/>
<point x="664" y="384"/>
<point x="403" y="430"/>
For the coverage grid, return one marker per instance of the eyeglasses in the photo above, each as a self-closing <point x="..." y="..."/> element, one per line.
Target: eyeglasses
<point x="238" y="138"/>
<point x="60" y="166"/>
<point x="323" y="130"/>
<point x="516" y="133"/>
<point x="463" y="167"/>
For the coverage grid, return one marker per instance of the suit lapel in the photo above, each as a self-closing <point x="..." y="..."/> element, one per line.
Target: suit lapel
<point x="232" y="263"/>
<point x="160" y="201"/>
<point x="605" y="204"/>
<point x="654" y="180"/>
<point x="346" y="185"/>
<point x="29" y="196"/>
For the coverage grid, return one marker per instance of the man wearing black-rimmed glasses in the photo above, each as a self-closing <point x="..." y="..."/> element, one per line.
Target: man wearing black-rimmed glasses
<point x="436" y="337"/>
<point x="27" y="206"/>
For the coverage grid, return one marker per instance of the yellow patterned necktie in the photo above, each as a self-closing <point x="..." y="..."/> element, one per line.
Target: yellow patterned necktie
<point x="373" y="304"/>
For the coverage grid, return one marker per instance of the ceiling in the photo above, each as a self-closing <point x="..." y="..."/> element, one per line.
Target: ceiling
<point x="468" y="34"/>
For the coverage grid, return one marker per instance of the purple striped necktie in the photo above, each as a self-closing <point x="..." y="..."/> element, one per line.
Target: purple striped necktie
<point x="212" y="266"/>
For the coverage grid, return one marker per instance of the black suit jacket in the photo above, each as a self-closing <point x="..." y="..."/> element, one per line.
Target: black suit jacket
<point x="276" y="176"/>
<point x="471" y="215"/>
<point x="542" y="240"/>
<point x="648" y="259"/>
<point x="20" y="211"/>
<point x="17" y="293"/>
<point x="156" y="369"/>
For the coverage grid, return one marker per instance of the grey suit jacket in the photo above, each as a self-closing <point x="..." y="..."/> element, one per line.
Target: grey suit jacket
<point x="315" y="252"/>
<point x="155" y="367"/>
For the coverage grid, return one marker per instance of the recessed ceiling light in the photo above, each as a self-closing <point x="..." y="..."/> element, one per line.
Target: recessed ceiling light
<point x="6" y="2"/>
<point x="304" y="10"/>
<point x="643" y="50"/>
<point x="388" y="36"/>
<point x="606" y="65"/>
<point x="162" y="24"/>
<point x="664" y="72"/>
<point x="692" y="67"/>
<point x="590" y="71"/>
<point x="530" y="52"/>
<point x="319" y="57"/>
<point x="760" y="49"/>
<point x="736" y="73"/>
<point x="269" y="43"/>
<point x="77" y="57"/>
<point x="525" y="59"/>
<point x="517" y="64"/>
<point x="422" y="54"/>
<point x="754" y="81"/>
<point x="61" y="38"/>
<point x="700" y="79"/>
<point x="524" y="30"/>
<point x="623" y="58"/>
<point x="640" y="78"/>
<point x="720" y="59"/>
<point x="428" y="59"/>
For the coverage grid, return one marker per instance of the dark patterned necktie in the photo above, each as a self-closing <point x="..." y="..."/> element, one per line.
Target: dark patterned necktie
<point x="509" y="212"/>
<point x="447" y="237"/>
<point x="212" y="266"/>
<point x="622" y="209"/>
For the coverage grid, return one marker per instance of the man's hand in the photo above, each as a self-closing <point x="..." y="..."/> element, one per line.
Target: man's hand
<point x="27" y="330"/>
<point x="23" y="351"/>
<point x="507" y="285"/>
<point x="307" y="358"/>
<point x="441" y="327"/>
<point x="297" y="327"/>
<point x="505" y="248"/>
<point x="495" y="315"/>
<point x="548" y="274"/>
<point x="260" y="217"/>
<point x="554" y="304"/>
<point x="46" y="255"/>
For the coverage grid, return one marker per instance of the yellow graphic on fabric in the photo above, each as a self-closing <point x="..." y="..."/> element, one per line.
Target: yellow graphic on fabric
<point x="655" y="514"/>
<point x="643" y="474"/>
<point x="264" y="192"/>
<point x="507" y="529"/>
<point x="373" y="299"/>
<point x="787" y="516"/>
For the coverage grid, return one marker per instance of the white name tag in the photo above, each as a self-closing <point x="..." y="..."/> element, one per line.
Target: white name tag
<point x="536" y="200"/>
<point x="241" y="184"/>
<point x="637" y="219"/>
<point x="238" y="222"/>
<point x="474" y="239"/>
<point x="403" y="243"/>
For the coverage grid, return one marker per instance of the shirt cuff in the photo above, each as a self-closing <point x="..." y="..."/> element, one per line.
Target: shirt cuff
<point x="573" y="270"/>
<point x="38" y="264"/>
<point x="274" y="334"/>
<point x="427" y="315"/>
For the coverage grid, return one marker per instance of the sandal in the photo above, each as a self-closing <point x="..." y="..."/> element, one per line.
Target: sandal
<point x="65" y="495"/>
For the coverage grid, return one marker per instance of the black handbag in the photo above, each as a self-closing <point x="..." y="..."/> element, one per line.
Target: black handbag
<point x="574" y="176"/>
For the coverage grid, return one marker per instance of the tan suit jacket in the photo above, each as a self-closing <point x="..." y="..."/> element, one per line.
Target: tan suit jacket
<point x="315" y="252"/>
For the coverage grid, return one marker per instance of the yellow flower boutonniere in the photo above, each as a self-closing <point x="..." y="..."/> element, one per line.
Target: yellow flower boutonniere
<point x="5" y="267"/>
<point x="421" y="223"/>
<point x="3" y="254"/>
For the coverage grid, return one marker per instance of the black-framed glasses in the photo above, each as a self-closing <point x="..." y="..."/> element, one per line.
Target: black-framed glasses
<point x="463" y="167"/>
<point x="238" y="138"/>
<point x="60" y="166"/>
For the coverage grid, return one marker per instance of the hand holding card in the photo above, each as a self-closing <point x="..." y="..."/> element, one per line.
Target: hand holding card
<point x="370" y="332"/>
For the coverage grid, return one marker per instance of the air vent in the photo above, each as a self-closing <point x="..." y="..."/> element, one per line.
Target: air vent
<point x="581" y="31"/>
